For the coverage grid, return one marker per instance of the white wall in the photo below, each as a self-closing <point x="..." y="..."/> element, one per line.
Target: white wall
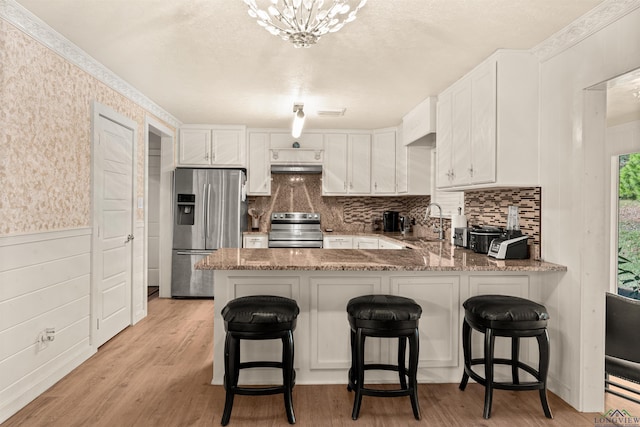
<point x="45" y="283"/>
<point x="575" y="199"/>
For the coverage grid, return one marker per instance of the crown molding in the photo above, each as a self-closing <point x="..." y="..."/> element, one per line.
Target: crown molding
<point x="590" y="23"/>
<point x="34" y="27"/>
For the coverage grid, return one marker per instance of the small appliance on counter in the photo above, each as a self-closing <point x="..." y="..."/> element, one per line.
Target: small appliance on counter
<point x="480" y="238"/>
<point x="390" y="221"/>
<point x="461" y="237"/>
<point x="510" y="248"/>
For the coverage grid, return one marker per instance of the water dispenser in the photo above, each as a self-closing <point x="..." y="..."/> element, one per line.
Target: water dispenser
<point x="186" y="209"/>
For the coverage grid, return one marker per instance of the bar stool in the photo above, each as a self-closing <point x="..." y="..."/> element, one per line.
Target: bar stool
<point x="260" y="317"/>
<point x="505" y="316"/>
<point x="387" y="316"/>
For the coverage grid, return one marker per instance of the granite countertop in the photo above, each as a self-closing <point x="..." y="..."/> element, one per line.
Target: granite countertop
<point x="420" y="255"/>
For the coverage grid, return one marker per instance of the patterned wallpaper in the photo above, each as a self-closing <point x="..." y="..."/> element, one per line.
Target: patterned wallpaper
<point x="45" y="141"/>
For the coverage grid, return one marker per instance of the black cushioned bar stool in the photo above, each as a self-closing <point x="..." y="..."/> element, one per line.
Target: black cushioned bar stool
<point x="260" y="317"/>
<point x="387" y="316"/>
<point x="505" y="316"/>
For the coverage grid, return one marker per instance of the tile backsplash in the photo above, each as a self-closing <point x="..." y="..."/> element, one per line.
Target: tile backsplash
<point x="490" y="207"/>
<point x="303" y="193"/>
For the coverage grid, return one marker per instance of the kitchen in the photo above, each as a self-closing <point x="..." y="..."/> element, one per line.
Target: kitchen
<point x="572" y="176"/>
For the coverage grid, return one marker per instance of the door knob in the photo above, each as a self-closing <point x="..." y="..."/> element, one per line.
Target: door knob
<point x="129" y="238"/>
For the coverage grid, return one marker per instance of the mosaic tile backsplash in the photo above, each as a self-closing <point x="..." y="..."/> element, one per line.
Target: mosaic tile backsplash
<point x="303" y="193"/>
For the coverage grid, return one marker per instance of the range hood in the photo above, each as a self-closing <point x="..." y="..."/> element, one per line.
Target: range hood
<point x="306" y="169"/>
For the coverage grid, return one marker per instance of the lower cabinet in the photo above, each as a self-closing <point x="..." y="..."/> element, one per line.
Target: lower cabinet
<point x="365" y="243"/>
<point x="255" y="241"/>
<point x="337" y="242"/>
<point x="322" y="336"/>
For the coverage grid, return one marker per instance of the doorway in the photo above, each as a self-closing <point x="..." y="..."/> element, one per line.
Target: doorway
<point x="159" y="166"/>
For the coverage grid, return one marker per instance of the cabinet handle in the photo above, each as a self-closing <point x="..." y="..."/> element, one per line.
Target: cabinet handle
<point x="351" y="185"/>
<point x="345" y="185"/>
<point x="471" y="171"/>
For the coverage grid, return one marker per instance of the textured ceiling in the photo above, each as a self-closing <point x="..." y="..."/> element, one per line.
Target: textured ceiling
<point x="207" y="61"/>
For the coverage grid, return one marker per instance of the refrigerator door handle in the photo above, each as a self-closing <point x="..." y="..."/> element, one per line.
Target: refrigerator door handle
<point x="205" y="203"/>
<point x="206" y="227"/>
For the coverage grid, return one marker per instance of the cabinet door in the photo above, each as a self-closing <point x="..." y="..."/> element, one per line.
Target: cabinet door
<point x="402" y="172"/>
<point x="359" y="164"/>
<point x="383" y="156"/>
<point x="483" y="124"/>
<point x="461" y="132"/>
<point x="259" y="241"/>
<point x="444" y="145"/>
<point x="228" y="148"/>
<point x="195" y="146"/>
<point x="334" y="170"/>
<point x="259" y="173"/>
<point x="338" y="242"/>
<point x="365" y="243"/>
<point x="385" y="244"/>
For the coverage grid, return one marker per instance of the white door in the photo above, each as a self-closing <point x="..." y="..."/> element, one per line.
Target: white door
<point x="112" y="254"/>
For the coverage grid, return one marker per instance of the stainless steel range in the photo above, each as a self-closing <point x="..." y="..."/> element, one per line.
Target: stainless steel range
<point x="295" y="230"/>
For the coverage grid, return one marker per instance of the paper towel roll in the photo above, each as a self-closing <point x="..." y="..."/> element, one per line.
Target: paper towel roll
<point x="457" y="221"/>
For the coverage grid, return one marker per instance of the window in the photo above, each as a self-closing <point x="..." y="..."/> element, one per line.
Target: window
<point x="629" y="225"/>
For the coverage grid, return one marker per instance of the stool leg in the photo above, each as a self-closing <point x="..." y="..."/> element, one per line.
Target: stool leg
<point x="359" y="367"/>
<point x="287" y="375"/>
<point x="414" y="348"/>
<point x="231" y="350"/>
<point x="466" y="349"/>
<point x="515" y="357"/>
<point x="543" y="345"/>
<point x="402" y="370"/>
<point x="352" y="369"/>
<point x="489" y="342"/>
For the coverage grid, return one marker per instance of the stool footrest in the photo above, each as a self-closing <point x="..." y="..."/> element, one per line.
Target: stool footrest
<point x="383" y="367"/>
<point x="258" y="391"/>
<point x="259" y="364"/>
<point x="386" y="393"/>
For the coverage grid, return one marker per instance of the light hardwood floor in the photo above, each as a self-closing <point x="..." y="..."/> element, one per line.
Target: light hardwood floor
<point x="158" y="373"/>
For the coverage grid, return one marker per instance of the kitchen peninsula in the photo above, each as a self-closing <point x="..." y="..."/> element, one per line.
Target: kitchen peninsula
<point x="436" y="274"/>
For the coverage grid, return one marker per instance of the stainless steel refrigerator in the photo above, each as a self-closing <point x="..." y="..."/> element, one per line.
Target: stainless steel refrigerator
<point x="210" y="213"/>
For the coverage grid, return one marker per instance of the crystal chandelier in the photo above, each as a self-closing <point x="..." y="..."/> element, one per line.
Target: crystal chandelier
<point x="303" y="22"/>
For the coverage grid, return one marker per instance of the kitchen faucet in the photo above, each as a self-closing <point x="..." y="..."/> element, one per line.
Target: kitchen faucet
<point x="426" y="217"/>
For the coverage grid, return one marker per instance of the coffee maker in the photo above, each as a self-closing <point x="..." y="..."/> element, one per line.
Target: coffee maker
<point x="390" y="221"/>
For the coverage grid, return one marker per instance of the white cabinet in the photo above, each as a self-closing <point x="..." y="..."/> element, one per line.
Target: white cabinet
<point x="365" y="242"/>
<point x="488" y="125"/>
<point x="347" y="164"/>
<point x="420" y="121"/>
<point x="210" y="145"/>
<point x="258" y="169"/>
<point x="386" y="244"/>
<point x="337" y="242"/>
<point x="383" y="163"/>
<point x="255" y="241"/>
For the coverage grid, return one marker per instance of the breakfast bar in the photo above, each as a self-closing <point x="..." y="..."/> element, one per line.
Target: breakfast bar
<point x="437" y="275"/>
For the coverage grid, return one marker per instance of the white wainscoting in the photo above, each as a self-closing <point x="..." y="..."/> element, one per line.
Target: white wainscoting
<point x="45" y="282"/>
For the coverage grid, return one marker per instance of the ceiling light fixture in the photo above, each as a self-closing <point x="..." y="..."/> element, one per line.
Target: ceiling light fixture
<point x="298" y="120"/>
<point x="303" y="22"/>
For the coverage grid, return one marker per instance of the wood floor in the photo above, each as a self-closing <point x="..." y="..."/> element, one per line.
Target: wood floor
<point x="158" y="373"/>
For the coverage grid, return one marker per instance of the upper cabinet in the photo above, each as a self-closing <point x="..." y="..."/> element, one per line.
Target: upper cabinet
<point x="383" y="166"/>
<point x="258" y="169"/>
<point x="420" y="122"/>
<point x="347" y="164"/>
<point x="210" y="145"/>
<point x="487" y="130"/>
